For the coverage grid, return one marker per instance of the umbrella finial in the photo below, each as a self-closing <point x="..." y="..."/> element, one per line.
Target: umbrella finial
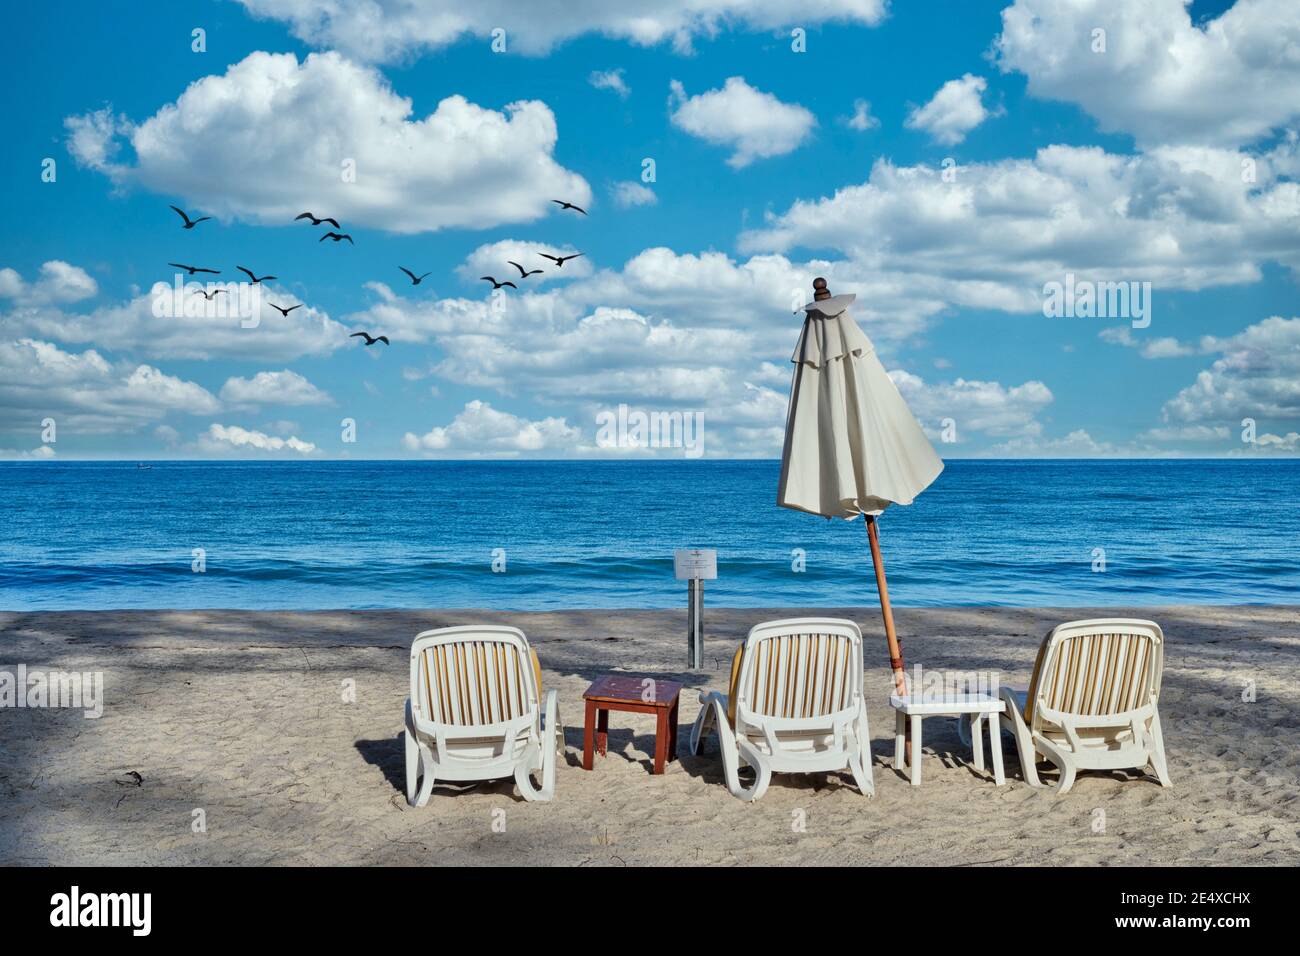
<point x="819" y="289"/>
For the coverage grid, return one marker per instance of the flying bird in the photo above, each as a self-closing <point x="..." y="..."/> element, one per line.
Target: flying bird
<point x="496" y="285"/>
<point x="190" y="223"/>
<point x="559" y="260"/>
<point x="284" y="312"/>
<point x="336" y="236"/>
<point x="370" y="339"/>
<point x="524" y="274"/>
<point x="255" y="279"/>
<point x="415" y="280"/>
<point x="193" y="269"/>
<point x="569" y="205"/>
<point x="209" y="295"/>
<point x="317" y="222"/>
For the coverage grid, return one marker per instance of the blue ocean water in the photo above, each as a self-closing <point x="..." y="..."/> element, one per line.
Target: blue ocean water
<point x="83" y="535"/>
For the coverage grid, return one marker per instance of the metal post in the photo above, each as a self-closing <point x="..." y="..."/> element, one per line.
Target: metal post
<point x="695" y="624"/>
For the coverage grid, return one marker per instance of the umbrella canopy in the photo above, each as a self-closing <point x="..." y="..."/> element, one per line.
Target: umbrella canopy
<point x="852" y="446"/>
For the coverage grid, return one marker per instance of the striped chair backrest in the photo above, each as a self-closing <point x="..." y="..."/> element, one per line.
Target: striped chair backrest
<point x="801" y="668"/>
<point x="1098" y="668"/>
<point x="474" y="676"/>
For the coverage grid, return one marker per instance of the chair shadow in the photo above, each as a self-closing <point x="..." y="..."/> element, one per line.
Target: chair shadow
<point x="389" y="755"/>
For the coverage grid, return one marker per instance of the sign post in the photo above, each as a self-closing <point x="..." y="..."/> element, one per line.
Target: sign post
<point x="695" y="566"/>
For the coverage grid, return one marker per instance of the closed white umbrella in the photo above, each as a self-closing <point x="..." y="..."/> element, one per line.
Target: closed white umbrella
<point x="852" y="446"/>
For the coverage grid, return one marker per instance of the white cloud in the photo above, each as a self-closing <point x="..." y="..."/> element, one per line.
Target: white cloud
<point x="480" y="429"/>
<point x="1226" y="82"/>
<point x="610" y="80"/>
<point x="85" y="392"/>
<point x="39" y="453"/>
<point x="989" y="408"/>
<point x="991" y="235"/>
<point x="1077" y="444"/>
<point x="495" y="258"/>
<point x="629" y="193"/>
<point x="272" y="137"/>
<point x="1148" y="347"/>
<point x="1257" y="376"/>
<point x="391" y="29"/>
<point x="1182" y="433"/>
<point x="273" y="388"/>
<point x="58" y="283"/>
<point x="755" y="124"/>
<point x="161" y="324"/>
<point x="233" y="440"/>
<point x="953" y="111"/>
<point x="861" y="120"/>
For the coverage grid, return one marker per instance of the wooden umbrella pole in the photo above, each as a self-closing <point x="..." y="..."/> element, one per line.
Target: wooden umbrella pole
<point x="895" y="651"/>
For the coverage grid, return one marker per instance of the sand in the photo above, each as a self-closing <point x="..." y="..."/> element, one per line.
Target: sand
<point x="241" y="715"/>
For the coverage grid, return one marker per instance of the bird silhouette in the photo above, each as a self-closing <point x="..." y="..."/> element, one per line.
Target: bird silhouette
<point x="255" y="279"/>
<point x="559" y="260"/>
<point x="209" y="295"/>
<point x="317" y="222"/>
<point x="522" y="273"/>
<point x="284" y="312"/>
<point x="569" y="205"/>
<point x="190" y="223"/>
<point x="415" y="280"/>
<point x="370" y="339"/>
<point x="193" y="269"/>
<point x="496" y="285"/>
<point x="336" y="236"/>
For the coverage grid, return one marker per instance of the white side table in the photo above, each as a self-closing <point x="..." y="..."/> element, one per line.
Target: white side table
<point x="972" y="707"/>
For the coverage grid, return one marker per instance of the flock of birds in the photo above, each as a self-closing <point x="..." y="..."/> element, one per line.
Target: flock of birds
<point x="337" y="237"/>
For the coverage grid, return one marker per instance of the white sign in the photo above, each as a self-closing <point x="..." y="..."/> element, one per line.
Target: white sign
<point x="689" y="563"/>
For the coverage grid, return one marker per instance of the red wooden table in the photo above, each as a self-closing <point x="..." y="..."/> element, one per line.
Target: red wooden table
<point x="637" y="695"/>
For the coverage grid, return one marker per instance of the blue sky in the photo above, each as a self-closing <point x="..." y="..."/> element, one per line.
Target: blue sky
<point x="1163" y="153"/>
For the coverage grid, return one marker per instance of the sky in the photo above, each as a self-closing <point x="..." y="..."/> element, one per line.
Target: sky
<point x="1073" y="228"/>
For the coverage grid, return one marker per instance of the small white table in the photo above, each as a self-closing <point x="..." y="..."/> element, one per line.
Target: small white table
<point x="972" y="707"/>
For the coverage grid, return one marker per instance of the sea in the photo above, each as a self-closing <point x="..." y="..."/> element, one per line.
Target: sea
<point x="543" y="535"/>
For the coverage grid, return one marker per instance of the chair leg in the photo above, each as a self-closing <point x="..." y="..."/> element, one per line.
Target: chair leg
<point x="1158" y="753"/>
<point x="1025" y="751"/>
<point x="977" y="739"/>
<point x="426" y="783"/>
<point x="700" y="729"/>
<point x="412" y="757"/>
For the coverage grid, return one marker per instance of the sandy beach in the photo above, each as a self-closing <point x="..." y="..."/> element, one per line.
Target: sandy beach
<point x="241" y="715"/>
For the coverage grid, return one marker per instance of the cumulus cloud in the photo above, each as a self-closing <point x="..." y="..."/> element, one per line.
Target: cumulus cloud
<point x="495" y="259"/>
<point x="86" y="392"/>
<point x="610" y="80"/>
<point x="164" y="324"/>
<point x="756" y="125"/>
<point x="1156" y="75"/>
<point x="390" y="29"/>
<point x="482" y="430"/>
<point x="629" y="193"/>
<point x="271" y="137"/>
<point x="273" y="388"/>
<point x="223" y="440"/>
<point x="861" y="118"/>
<point x="1178" y="218"/>
<point x="1257" y="376"/>
<point x="953" y="111"/>
<point x="57" y="283"/>
<point x="1076" y="444"/>
<point x="989" y="408"/>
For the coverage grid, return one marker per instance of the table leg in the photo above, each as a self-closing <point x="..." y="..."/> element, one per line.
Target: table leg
<point x="900" y="739"/>
<point x="916" y="750"/>
<point x="673" y="724"/>
<point x="995" y="744"/>
<point x="602" y="730"/>
<point x="977" y="740"/>
<point x="589" y="729"/>
<point x="661" y="739"/>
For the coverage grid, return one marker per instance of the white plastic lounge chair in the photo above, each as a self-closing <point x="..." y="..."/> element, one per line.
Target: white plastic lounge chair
<point x="1091" y="703"/>
<point x="474" y="712"/>
<point x="795" y="705"/>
